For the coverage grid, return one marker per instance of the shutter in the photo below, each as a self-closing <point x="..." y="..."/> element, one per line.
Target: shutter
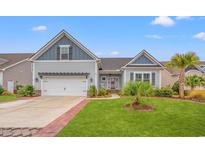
<point x="70" y="53"/>
<point x="131" y="76"/>
<point x="153" y="78"/>
<point x="58" y="53"/>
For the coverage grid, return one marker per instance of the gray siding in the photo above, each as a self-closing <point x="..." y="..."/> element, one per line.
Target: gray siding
<point x="155" y="70"/>
<point x="77" y="53"/>
<point x="142" y="60"/>
<point x="85" y="67"/>
<point x="21" y="74"/>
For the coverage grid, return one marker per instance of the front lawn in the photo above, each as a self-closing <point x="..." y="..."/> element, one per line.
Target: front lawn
<point x="7" y="98"/>
<point x="108" y="118"/>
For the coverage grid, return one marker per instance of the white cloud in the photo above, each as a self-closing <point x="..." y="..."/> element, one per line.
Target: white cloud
<point x="163" y="21"/>
<point x="99" y="53"/>
<point x="183" y="17"/>
<point x="114" y="53"/>
<point x="39" y="28"/>
<point x="154" y="36"/>
<point x="200" y="36"/>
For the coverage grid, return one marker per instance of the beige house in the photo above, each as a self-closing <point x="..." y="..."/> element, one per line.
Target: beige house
<point x="15" y="69"/>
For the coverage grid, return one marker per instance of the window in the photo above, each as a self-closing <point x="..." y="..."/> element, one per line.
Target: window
<point x="146" y="77"/>
<point x="138" y="77"/>
<point x="103" y="78"/>
<point x="64" y="52"/>
<point x="143" y="76"/>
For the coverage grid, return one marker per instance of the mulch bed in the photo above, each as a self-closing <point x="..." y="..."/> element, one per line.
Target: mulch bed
<point x="139" y="107"/>
<point x="106" y="96"/>
<point x="184" y="99"/>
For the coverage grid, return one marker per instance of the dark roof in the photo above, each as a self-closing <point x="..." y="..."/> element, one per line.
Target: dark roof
<point x="114" y="63"/>
<point x="117" y="63"/>
<point x="12" y="58"/>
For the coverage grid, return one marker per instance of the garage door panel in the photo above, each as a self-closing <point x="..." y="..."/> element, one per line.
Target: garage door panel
<point x="64" y="86"/>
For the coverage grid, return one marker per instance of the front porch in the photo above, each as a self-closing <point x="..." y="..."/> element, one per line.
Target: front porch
<point x="112" y="81"/>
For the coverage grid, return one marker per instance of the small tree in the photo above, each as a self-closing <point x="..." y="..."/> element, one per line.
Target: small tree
<point x="181" y="62"/>
<point x="143" y="89"/>
<point x="193" y="81"/>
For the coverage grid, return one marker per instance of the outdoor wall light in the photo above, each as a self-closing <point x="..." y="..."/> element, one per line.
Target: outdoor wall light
<point x="91" y="80"/>
<point x="36" y="80"/>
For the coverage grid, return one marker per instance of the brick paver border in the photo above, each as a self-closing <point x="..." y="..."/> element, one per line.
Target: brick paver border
<point x="52" y="129"/>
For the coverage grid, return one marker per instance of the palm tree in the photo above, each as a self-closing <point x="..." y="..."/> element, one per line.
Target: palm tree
<point x="193" y="81"/>
<point x="181" y="62"/>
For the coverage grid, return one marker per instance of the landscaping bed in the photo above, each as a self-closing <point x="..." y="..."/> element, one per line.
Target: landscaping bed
<point x="109" y="118"/>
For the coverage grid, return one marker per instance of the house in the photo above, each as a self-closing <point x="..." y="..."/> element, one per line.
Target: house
<point x="65" y="67"/>
<point x="15" y="69"/>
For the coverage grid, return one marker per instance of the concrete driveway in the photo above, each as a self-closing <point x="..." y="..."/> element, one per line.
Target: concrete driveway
<point x="35" y="113"/>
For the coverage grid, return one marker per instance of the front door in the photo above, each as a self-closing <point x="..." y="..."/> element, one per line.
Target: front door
<point x="113" y="83"/>
<point x="10" y="86"/>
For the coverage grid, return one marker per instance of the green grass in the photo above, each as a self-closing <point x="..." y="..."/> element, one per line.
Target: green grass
<point x="7" y="98"/>
<point x="108" y="118"/>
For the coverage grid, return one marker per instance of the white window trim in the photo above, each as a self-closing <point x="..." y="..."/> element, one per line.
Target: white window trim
<point x="150" y="76"/>
<point x="64" y="46"/>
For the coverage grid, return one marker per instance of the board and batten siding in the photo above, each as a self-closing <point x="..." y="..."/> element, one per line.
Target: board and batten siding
<point x="77" y="53"/>
<point x="142" y="60"/>
<point x="141" y="70"/>
<point x="72" y="67"/>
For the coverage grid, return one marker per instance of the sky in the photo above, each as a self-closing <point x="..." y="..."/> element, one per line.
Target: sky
<point x="161" y="36"/>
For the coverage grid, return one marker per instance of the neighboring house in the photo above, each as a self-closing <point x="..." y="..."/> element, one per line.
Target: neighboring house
<point x="64" y="67"/>
<point x="15" y="69"/>
<point x="195" y="70"/>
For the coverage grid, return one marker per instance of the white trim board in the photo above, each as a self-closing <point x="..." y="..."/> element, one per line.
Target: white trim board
<point x="62" y="61"/>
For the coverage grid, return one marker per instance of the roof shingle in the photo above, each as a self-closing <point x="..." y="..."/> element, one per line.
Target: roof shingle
<point x="12" y="58"/>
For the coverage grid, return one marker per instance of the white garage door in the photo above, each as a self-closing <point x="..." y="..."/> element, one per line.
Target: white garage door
<point x="64" y="86"/>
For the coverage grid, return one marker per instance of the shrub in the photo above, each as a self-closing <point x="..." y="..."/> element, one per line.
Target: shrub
<point x="175" y="87"/>
<point x="194" y="81"/>
<point x="132" y="87"/>
<point x="92" y="92"/>
<point x="146" y="89"/>
<point x="1" y="90"/>
<point x="7" y="93"/>
<point x="103" y="92"/>
<point x="197" y="95"/>
<point x="26" y="91"/>
<point x="18" y="87"/>
<point x="164" y="92"/>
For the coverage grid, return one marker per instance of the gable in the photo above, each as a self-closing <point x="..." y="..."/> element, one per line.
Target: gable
<point x="49" y="50"/>
<point x="142" y="60"/>
<point x="77" y="53"/>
